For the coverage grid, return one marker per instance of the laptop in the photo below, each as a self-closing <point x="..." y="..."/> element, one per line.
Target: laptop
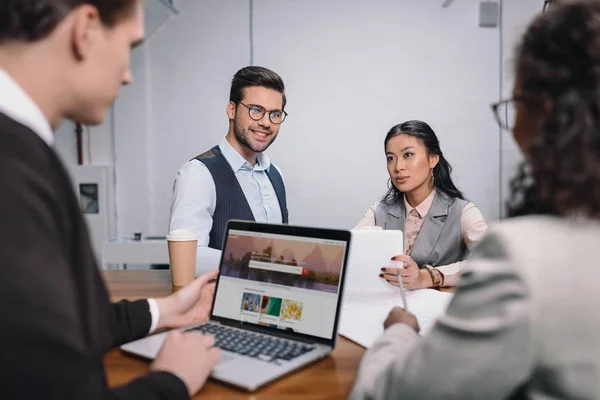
<point x="276" y="305"/>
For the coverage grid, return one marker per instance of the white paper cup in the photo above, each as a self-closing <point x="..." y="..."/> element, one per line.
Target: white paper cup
<point x="182" y="256"/>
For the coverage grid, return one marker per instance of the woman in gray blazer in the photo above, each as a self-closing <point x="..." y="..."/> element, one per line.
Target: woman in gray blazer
<point x="525" y="319"/>
<point x="439" y="225"/>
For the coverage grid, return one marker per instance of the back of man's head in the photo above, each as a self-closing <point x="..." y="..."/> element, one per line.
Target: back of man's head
<point x="70" y="56"/>
<point x="33" y="20"/>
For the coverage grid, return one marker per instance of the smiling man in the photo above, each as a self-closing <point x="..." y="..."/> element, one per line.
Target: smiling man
<point x="235" y="180"/>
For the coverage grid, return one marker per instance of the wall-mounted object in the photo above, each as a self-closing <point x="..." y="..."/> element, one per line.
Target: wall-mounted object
<point x="489" y="11"/>
<point x="170" y="4"/>
<point x="94" y="187"/>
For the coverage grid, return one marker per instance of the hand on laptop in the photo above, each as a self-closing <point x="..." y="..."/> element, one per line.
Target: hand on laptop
<point x="412" y="277"/>
<point x="399" y="316"/>
<point x="189" y="305"/>
<point x="188" y="355"/>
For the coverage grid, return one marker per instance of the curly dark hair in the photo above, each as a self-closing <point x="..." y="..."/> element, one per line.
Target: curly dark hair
<point x="559" y="60"/>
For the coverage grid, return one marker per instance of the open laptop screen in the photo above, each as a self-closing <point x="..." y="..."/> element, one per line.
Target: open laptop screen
<point x="281" y="281"/>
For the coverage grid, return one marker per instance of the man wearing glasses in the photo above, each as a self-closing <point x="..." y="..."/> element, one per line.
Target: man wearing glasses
<point x="235" y="180"/>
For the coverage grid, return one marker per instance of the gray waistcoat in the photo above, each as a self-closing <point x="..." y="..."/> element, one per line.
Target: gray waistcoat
<point x="440" y="240"/>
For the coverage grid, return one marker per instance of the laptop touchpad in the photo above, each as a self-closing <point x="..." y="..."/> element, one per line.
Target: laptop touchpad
<point x="225" y="357"/>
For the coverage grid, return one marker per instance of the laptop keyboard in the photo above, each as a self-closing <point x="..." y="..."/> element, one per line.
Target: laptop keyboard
<point x="262" y="347"/>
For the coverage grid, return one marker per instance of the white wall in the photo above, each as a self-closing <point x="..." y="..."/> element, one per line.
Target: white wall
<point x="373" y="65"/>
<point x="353" y="69"/>
<point x="193" y="58"/>
<point x="100" y="147"/>
<point x="133" y="145"/>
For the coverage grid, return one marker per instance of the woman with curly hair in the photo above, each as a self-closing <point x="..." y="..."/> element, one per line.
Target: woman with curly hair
<point x="525" y="320"/>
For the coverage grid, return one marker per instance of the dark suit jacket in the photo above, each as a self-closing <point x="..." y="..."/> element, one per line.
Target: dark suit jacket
<point x="57" y="320"/>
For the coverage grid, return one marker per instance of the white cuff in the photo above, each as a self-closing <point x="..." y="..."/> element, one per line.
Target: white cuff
<point x="154" y="313"/>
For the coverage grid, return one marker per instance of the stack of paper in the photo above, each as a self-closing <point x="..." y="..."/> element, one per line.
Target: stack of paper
<point x="363" y="312"/>
<point x="368" y="299"/>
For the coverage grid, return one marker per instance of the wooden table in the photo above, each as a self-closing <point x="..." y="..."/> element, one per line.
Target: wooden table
<point x="331" y="378"/>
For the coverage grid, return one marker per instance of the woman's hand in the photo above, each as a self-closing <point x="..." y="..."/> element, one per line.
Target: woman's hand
<point x="400" y="316"/>
<point x="412" y="276"/>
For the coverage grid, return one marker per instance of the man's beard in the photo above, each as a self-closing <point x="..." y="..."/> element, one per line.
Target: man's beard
<point x="242" y="137"/>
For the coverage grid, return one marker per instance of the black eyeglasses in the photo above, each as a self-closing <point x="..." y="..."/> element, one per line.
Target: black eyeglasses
<point x="546" y="4"/>
<point x="257" y="113"/>
<point x="505" y="112"/>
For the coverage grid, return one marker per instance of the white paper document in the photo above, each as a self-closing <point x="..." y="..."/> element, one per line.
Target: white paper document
<point x="368" y="299"/>
<point x="363" y="312"/>
<point x="370" y="250"/>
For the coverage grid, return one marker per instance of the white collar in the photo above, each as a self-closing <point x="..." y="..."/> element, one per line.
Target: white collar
<point x="17" y="105"/>
<point x="237" y="161"/>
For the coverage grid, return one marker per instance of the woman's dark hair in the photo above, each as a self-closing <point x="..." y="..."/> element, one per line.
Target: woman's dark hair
<point x="558" y="62"/>
<point x="33" y="20"/>
<point x="441" y="172"/>
<point x="255" y="76"/>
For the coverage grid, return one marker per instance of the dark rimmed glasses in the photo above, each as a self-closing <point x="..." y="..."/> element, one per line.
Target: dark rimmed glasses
<point x="505" y="112"/>
<point x="257" y="112"/>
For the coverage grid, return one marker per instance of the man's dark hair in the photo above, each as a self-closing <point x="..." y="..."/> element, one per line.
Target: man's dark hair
<point x="33" y="20"/>
<point x="255" y="76"/>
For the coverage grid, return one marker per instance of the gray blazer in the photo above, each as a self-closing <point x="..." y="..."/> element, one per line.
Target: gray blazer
<point x="525" y="322"/>
<point x="440" y="239"/>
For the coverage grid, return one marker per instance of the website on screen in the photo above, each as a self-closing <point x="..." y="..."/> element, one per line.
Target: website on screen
<point x="280" y="281"/>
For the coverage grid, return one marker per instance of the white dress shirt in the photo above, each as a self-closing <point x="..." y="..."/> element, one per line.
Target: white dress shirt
<point x="16" y="104"/>
<point x="195" y="199"/>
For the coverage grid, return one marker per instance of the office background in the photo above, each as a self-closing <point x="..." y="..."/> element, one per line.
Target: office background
<point x="352" y="70"/>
